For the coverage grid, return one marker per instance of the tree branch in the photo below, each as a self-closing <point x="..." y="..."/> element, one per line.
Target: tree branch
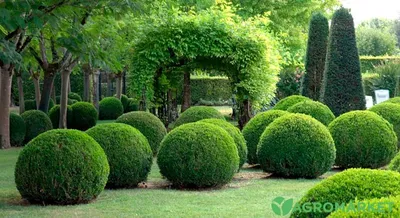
<point x="26" y="42"/>
<point x="53" y="50"/>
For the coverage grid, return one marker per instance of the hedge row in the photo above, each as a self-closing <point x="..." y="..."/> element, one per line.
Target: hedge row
<point x="368" y="63"/>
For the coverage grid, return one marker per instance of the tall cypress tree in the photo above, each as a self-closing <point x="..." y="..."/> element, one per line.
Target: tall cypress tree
<point x="315" y="58"/>
<point x="342" y="87"/>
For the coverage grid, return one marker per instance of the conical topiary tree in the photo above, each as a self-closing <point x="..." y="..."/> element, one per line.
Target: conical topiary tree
<point x="316" y="54"/>
<point x="342" y="87"/>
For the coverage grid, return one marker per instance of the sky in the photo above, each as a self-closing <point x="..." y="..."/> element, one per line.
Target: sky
<point x="366" y="9"/>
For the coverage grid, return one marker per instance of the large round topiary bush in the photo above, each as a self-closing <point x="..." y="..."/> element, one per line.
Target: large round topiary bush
<point x="110" y="108"/>
<point x="391" y="113"/>
<point x="287" y="102"/>
<point x="54" y="115"/>
<point x="363" y="139"/>
<point x="61" y="167"/>
<point x="296" y="145"/>
<point x="348" y="185"/>
<point x="235" y="133"/>
<point x="84" y="116"/>
<point x="148" y="124"/>
<point x="194" y="114"/>
<point x="36" y="122"/>
<point x="315" y="109"/>
<point x="17" y="130"/>
<point x="254" y="129"/>
<point x="128" y="152"/>
<point x="74" y="96"/>
<point x="198" y="155"/>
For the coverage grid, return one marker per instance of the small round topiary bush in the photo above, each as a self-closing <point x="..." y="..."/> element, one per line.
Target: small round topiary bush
<point x="349" y="185"/>
<point x="395" y="100"/>
<point x="132" y="105"/>
<point x="36" y="122"/>
<point x="84" y="116"/>
<point x="128" y="153"/>
<point x="363" y="139"/>
<point x="74" y="96"/>
<point x="194" y="114"/>
<point x="254" y="129"/>
<point x="125" y="102"/>
<point x="61" y="167"/>
<point x="287" y="102"/>
<point x="394" y="164"/>
<point x="110" y="108"/>
<point x="235" y="134"/>
<point x="391" y="113"/>
<point x="198" y="155"/>
<point x="17" y="130"/>
<point x="316" y="109"/>
<point x="296" y="145"/>
<point x="54" y="115"/>
<point x="148" y="124"/>
<point x="31" y="104"/>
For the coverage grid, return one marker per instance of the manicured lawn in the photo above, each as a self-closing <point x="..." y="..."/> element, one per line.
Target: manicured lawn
<point x="248" y="195"/>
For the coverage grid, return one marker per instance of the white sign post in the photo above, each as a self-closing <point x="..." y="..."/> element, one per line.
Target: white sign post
<point x="381" y="95"/>
<point x="369" y="101"/>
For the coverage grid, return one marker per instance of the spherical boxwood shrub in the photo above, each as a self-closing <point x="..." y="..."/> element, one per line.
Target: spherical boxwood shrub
<point x="296" y="145"/>
<point x="254" y="128"/>
<point x="315" y="109"/>
<point x="128" y="153"/>
<point x="194" y="114"/>
<point x="110" y="108"/>
<point x="124" y="101"/>
<point x="395" y="163"/>
<point x="17" y="130"/>
<point x="148" y="124"/>
<point x="132" y="105"/>
<point x="349" y="185"/>
<point x="363" y="139"/>
<point x="84" y="116"/>
<point x="61" y="167"/>
<point x="395" y="100"/>
<point x="198" y="155"/>
<point x="54" y="115"/>
<point x="235" y="134"/>
<point x="31" y="104"/>
<point x="287" y="102"/>
<point x="74" y="96"/>
<point x="391" y="113"/>
<point x="36" y="122"/>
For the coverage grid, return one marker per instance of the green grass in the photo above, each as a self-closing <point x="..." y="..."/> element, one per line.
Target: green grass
<point x="249" y="195"/>
<point x="105" y="121"/>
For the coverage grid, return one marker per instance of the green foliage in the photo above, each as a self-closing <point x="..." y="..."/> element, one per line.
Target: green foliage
<point x="148" y="124"/>
<point x="253" y="130"/>
<point x="36" y="122"/>
<point x="132" y="105"/>
<point x="395" y="100"/>
<point x="61" y="167"/>
<point x="363" y="139"/>
<point x="368" y="83"/>
<point x="315" y="58"/>
<point x="194" y="114"/>
<point x="395" y="163"/>
<point x="31" y="104"/>
<point x="316" y="109"/>
<point x="110" y="108"/>
<point x="387" y="77"/>
<point x="289" y="83"/>
<point x="128" y="153"/>
<point x="54" y="115"/>
<point x="74" y="96"/>
<point x="368" y="63"/>
<point x="84" y="116"/>
<point x="296" y="145"/>
<point x="287" y="102"/>
<point x="350" y="185"/>
<point x="198" y="155"/>
<point x="342" y="89"/>
<point x="125" y="102"/>
<point x="375" y="42"/>
<point x="17" y="130"/>
<point x="391" y="113"/>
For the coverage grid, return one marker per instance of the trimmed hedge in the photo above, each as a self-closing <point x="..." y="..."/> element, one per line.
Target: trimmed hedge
<point x="54" y="115"/>
<point x="74" y="96"/>
<point x="235" y="133"/>
<point x="391" y="113"/>
<point x="110" y="108"/>
<point x="253" y="130"/>
<point x="36" y="122"/>
<point x="349" y="185"/>
<point x="128" y="152"/>
<point x="148" y="124"/>
<point x="198" y="155"/>
<point x="84" y="116"/>
<point x="296" y="145"/>
<point x="287" y="102"/>
<point x="31" y="104"/>
<point x="368" y="63"/>
<point x="363" y="139"/>
<point x="17" y="130"/>
<point x="61" y="167"/>
<point x="196" y="113"/>
<point x="315" y="109"/>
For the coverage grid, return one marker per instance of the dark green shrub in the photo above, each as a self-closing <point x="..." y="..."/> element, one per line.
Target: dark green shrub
<point x="128" y="152"/>
<point x="395" y="100"/>
<point x="296" y="145"/>
<point x="235" y="133"/>
<point x="254" y="129"/>
<point x="369" y="81"/>
<point x="54" y="115"/>
<point x="289" y="83"/>
<point x="148" y="124"/>
<point x="17" y="130"/>
<point x="125" y="102"/>
<point x="61" y="167"/>
<point x="36" y="122"/>
<point x="395" y="163"/>
<point x="198" y="155"/>
<point x="110" y="108"/>
<point x="69" y="101"/>
<point x="74" y="96"/>
<point x="363" y="139"/>
<point x="31" y="104"/>
<point x="315" y="57"/>
<point x="133" y="105"/>
<point x="287" y="102"/>
<point x="315" y="109"/>
<point x="391" y="113"/>
<point x="194" y="114"/>
<point x="84" y="116"/>
<point x="349" y="185"/>
<point x="342" y="89"/>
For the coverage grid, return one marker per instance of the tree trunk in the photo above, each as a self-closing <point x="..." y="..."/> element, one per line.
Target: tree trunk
<point x="96" y="89"/>
<point x="245" y="113"/>
<point x="99" y="88"/>
<point x="124" y="83"/>
<point x="69" y="83"/>
<point x="5" y="94"/>
<point x="119" y="85"/>
<point x="53" y="94"/>
<point x="36" y="83"/>
<point x="21" y="94"/>
<point x="109" y="85"/>
<point x="186" y="92"/>
<point x="64" y="99"/>
<point x="86" y="82"/>
<point x="48" y="82"/>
